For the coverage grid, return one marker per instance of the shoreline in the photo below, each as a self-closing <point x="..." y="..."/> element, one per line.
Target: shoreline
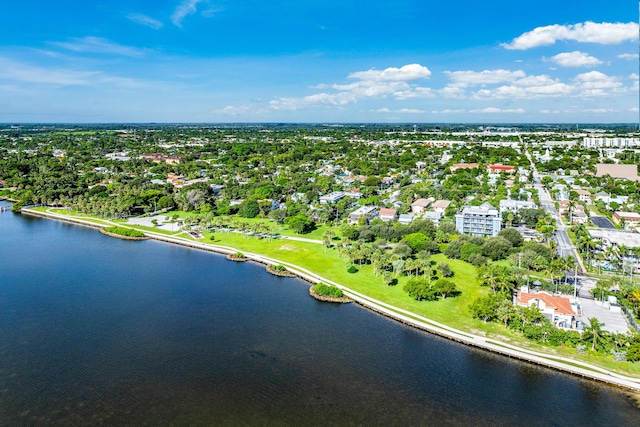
<point x="557" y="363"/>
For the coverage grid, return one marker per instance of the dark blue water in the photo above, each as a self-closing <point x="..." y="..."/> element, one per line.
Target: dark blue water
<point x="100" y="331"/>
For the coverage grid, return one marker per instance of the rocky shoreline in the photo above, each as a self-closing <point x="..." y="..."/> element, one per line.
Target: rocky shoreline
<point x="233" y="257"/>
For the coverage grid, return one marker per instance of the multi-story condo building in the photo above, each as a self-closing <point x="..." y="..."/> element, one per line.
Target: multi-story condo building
<point x="483" y="220"/>
<point x="610" y="142"/>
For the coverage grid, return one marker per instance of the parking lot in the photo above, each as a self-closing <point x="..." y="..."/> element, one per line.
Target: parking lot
<point x="602" y="222"/>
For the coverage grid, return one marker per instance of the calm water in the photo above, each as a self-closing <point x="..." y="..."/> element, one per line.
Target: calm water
<point x="99" y="331"/>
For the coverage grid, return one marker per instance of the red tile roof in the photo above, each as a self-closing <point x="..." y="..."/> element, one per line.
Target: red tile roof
<point x="502" y="168"/>
<point x="562" y="305"/>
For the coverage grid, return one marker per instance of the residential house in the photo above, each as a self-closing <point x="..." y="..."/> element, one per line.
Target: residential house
<point x="483" y="220"/>
<point x="579" y="217"/>
<point x="558" y="310"/>
<point x="584" y="195"/>
<point x="405" y="219"/>
<point x="498" y="168"/>
<point x="457" y="166"/>
<point x="162" y="158"/>
<point x="420" y="205"/>
<point x="366" y="212"/>
<point x="435" y="217"/>
<point x="174" y="179"/>
<point x="387" y="214"/>
<point x="563" y="208"/>
<point x="441" y="206"/>
<point x="331" y="197"/>
<point x="515" y="205"/>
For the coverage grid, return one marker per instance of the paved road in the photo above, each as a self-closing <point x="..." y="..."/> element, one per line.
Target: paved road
<point x="565" y="245"/>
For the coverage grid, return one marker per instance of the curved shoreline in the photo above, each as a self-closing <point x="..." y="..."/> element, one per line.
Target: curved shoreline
<point x="558" y="363"/>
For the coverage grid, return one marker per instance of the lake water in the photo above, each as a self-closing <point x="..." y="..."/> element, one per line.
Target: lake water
<point x="100" y="331"/>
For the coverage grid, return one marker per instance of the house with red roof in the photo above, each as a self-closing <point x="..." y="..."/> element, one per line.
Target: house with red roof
<point x="457" y="166"/>
<point x="387" y="214"/>
<point x="557" y="309"/>
<point x="497" y="168"/>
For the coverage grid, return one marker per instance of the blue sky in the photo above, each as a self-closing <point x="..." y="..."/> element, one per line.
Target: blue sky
<point x="322" y="61"/>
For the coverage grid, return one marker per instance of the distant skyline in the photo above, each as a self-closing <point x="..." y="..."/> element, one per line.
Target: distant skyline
<point x="419" y="61"/>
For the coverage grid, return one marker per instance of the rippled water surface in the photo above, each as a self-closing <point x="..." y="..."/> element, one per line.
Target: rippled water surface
<point x="100" y="331"/>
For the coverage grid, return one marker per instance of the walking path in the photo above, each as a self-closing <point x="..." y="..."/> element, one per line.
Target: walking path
<point x="560" y="363"/>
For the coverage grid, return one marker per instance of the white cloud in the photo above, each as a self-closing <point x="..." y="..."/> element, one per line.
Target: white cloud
<point x="486" y="77"/>
<point x="448" y="111"/>
<point x="189" y="7"/>
<point x="145" y="20"/>
<point x="494" y="110"/>
<point x="597" y="84"/>
<point x="17" y="71"/>
<point x="575" y="59"/>
<point x="23" y="72"/>
<point x="629" y="56"/>
<point x="588" y="32"/>
<point x="186" y="7"/>
<point x="599" y="110"/>
<point x="394" y="82"/>
<point x="403" y="74"/>
<point x="98" y="45"/>
<point x="401" y="111"/>
<point x="232" y="110"/>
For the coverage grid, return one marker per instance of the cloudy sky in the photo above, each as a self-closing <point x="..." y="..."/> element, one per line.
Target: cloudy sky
<point x="319" y="61"/>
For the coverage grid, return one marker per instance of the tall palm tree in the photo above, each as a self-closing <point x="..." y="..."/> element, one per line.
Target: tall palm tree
<point x="593" y="330"/>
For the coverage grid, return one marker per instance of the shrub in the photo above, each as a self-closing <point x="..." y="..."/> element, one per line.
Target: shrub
<point x="279" y="267"/>
<point x="122" y="231"/>
<point x="323" y="289"/>
<point x="352" y="269"/>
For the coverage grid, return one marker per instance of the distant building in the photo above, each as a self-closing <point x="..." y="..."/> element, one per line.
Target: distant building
<point x="366" y="212"/>
<point x="630" y="219"/>
<point x="387" y="214"/>
<point x="584" y="195"/>
<point x="515" y="205"/>
<point x="440" y="206"/>
<point x="457" y="166"/>
<point x="483" y="220"/>
<point x="420" y="205"/>
<point x="619" y="171"/>
<point x="610" y="142"/>
<point x="435" y="217"/>
<point x="405" y="219"/>
<point x="501" y="168"/>
<point x="331" y="197"/>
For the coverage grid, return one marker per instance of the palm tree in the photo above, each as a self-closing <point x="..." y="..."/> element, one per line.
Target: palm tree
<point x="593" y="330"/>
<point x="327" y="237"/>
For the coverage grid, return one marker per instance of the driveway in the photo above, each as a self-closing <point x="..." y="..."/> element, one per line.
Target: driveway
<point x="613" y="321"/>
